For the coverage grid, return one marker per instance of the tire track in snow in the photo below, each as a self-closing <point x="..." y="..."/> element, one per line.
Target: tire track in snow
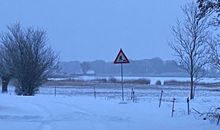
<point x="82" y="114"/>
<point x="50" y="114"/>
<point x="56" y="112"/>
<point x="46" y="120"/>
<point x="97" y="121"/>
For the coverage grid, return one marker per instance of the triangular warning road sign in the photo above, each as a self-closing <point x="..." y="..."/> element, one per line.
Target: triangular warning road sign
<point x="121" y="58"/>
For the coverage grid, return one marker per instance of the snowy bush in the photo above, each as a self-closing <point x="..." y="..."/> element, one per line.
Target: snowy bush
<point x="176" y="83"/>
<point x="158" y="82"/>
<point x="113" y="80"/>
<point x="138" y="81"/>
<point x="102" y="80"/>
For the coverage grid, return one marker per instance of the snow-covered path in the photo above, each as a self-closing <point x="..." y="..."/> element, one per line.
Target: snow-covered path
<point x="85" y="113"/>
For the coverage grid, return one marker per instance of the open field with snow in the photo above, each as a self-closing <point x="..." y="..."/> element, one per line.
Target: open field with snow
<point x="76" y="108"/>
<point x="152" y="79"/>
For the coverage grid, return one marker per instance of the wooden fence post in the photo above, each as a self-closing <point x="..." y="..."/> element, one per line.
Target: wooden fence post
<point x="161" y="96"/>
<point x="94" y="93"/>
<point x="218" y="119"/>
<point x="188" y="106"/>
<point x="173" y="107"/>
<point x="133" y="94"/>
<point x="55" y="91"/>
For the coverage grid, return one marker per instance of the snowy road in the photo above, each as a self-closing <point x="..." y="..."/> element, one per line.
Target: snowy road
<point x="50" y="113"/>
<point x="85" y="113"/>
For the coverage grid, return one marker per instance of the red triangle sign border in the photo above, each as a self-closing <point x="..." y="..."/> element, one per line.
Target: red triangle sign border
<point x="125" y="61"/>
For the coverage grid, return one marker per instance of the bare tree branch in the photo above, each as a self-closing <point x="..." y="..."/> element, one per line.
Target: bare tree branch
<point x="191" y="44"/>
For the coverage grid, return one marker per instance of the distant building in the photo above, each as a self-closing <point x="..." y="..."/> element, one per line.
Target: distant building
<point x="90" y="72"/>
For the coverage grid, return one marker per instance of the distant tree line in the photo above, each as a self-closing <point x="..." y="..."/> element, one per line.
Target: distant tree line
<point x="26" y="58"/>
<point x="146" y="67"/>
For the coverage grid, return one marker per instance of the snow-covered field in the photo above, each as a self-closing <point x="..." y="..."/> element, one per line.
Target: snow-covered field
<point x="152" y="79"/>
<point x="75" y="108"/>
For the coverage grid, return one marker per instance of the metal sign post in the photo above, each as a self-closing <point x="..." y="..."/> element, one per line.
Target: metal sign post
<point x="122" y="83"/>
<point x="121" y="59"/>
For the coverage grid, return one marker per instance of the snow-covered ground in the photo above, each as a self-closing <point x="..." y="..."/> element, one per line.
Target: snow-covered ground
<point x="77" y="109"/>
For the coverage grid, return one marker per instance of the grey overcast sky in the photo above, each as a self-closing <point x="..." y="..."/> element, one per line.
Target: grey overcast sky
<point x="97" y="29"/>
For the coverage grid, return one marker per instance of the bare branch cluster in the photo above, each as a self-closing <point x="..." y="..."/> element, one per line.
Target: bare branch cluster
<point x="209" y="8"/>
<point x="190" y="45"/>
<point x="28" y="59"/>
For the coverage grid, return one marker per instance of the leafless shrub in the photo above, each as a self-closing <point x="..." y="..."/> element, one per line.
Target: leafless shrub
<point x="102" y="80"/>
<point x="113" y="80"/>
<point x="31" y="59"/>
<point x="176" y="83"/>
<point x="138" y="81"/>
<point x="158" y="82"/>
<point x="213" y="114"/>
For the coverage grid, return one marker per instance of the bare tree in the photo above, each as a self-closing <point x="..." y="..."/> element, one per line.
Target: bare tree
<point x="4" y="69"/>
<point x="190" y="44"/>
<point x="214" y="53"/>
<point x="210" y="8"/>
<point x="31" y="60"/>
<point x="85" y="67"/>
